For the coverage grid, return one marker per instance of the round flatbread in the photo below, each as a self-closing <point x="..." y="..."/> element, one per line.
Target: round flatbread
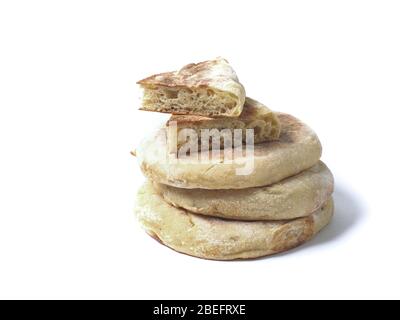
<point x="297" y="149"/>
<point x="294" y="197"/>
<point x="220" y="239"/>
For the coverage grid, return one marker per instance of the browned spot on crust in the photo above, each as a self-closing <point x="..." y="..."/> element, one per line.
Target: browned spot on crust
<point x="291" y="128"/>
<point x="290" y="236"/>
<point x="184" y="76"/>
<point x="249" y="110"/>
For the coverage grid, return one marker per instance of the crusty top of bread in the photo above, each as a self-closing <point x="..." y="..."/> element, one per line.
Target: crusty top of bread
<point x="194" y="75"/>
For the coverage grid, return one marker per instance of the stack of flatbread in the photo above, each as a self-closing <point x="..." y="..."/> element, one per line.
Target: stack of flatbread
<point x="227" y="177"/>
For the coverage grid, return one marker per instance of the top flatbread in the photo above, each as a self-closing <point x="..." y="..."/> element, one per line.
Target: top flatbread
<point x="209" y="88"/>
<point x="297" y="149"/>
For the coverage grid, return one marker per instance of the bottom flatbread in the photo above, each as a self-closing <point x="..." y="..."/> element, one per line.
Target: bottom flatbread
<point x="220" y="239"/>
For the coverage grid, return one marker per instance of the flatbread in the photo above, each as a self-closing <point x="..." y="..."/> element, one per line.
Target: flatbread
<point x="219" y="239"/>
<point x="297" y="149"/>
<point x="255" y="116"/>
<point x="294" y="197"/>
<point x="210" y="88"/>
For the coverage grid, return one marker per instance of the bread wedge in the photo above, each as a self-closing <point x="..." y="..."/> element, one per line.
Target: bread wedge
<point x="210" y="88"/>
<point x="256" y="116"/>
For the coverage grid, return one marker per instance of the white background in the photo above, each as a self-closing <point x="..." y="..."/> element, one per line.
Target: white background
<point x="68" y="119"/>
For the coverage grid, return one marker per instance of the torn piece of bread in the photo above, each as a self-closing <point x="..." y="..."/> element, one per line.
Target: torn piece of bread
<point x="255" y="116"/>
<point x="210" y="88"/>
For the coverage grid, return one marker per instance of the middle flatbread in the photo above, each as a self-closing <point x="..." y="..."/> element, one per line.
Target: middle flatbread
<point x="294" y="197"/>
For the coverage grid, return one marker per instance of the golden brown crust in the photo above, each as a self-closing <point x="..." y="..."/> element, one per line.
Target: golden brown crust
<point x="193" y="75"/>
